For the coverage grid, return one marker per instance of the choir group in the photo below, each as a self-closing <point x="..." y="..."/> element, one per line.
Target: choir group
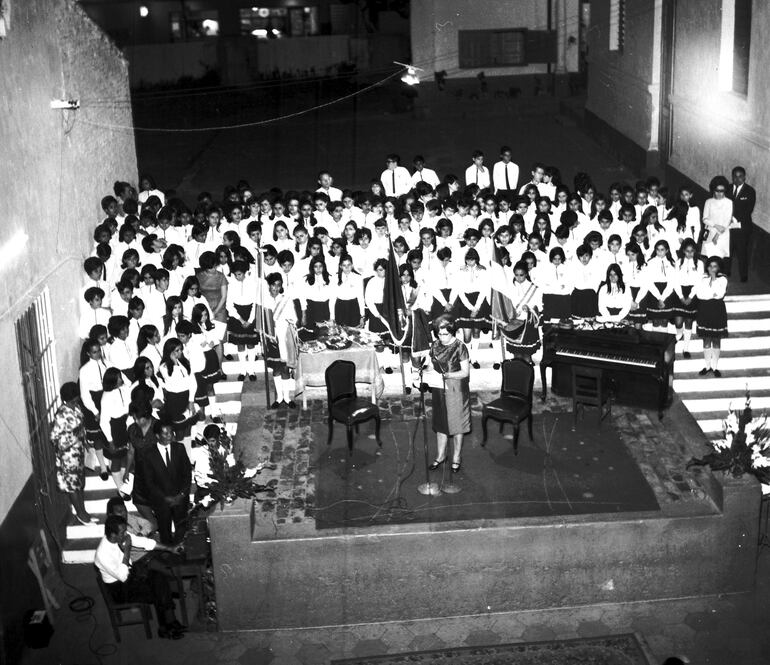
<point x="167" y="285"/>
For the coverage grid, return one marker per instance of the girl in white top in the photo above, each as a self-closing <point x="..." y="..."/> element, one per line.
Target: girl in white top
<point x="333" y="256"/>
<point x="614" y="297"/>
<point x="213" y="232"/>
<point x="281" y="239"/>
<point x="690" y="271"/>
<point x="145" y="379"/>
<point x="347" y="299"/>
<point x="147" y="189"/>
<point x="717" y="217"/>
<point x="113" y="421"/>
<point x="556" y="285"/>
<point x="315" y="295"/>
<point x="527" y="301"/>
<point x="661" y="278"/>
<point x="636" y="281"/>
<point x="712" y="314"/>
<point x="439" y="283"/>
<point x="119" y="351"/>
<point x="179" y="384"/>
<point x="472" y="293"/>
<point x="148" y="344"/>
<point x="90" y="380"/>
<point x="585" y="278"/>
<point x="280" y="320"/>
<point x="190" y="297"/>
<point x="486" y="244"/>
<point x="241" y="306"/>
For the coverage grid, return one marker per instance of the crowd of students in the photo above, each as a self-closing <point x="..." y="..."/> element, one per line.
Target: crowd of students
<point x="168" y="284"/>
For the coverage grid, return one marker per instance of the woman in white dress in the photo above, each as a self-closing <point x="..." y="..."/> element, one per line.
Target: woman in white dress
<point x="717" y="217"/>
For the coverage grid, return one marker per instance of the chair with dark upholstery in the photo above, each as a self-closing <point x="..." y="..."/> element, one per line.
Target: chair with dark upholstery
<point x="115" y="610"/>
<point x="515" y="401"/>
<point x="344" y="404"/>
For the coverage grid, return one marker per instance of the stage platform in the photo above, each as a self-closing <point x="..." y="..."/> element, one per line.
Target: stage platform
<point x="669" y="533"/>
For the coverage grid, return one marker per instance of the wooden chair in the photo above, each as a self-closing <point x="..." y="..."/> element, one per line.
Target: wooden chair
<point x="588" y="389"/>
<point x="344" y="404"/>
<point x="41" y="564"/>
<point x="116" y="610"/>
<point x="515" y="402"/>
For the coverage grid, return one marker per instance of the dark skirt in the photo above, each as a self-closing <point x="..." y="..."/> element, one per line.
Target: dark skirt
<point x="117" y="450"/>
<point x="175" y="406"/>
<point x="212" y="370"/>
<point x="584" y="303"/>
<point x="317" y="312"/>
<point x="463" y="316"/>
<point x="654" y="310"/>
<point x="347" y="313"/>
<point x="452" y="408"/>
<point x="436" y="308"/>
<point x="526" y="340"/>
<point x="94" y="434"/>
<point x="637" y="315"/>
<point x="556" y="306"/>
<point x="712" y="318"/>
<point x="201" y="390"/>
<point x="237" y="333"/>
<point x="685" y="311"/>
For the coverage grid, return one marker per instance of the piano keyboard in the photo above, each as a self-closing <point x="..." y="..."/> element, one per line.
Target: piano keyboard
<point x="605" y="357"/>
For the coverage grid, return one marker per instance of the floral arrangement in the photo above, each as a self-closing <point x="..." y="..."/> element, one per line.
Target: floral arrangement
<point x="744" y="448"/>
<point x="229" y="477"/>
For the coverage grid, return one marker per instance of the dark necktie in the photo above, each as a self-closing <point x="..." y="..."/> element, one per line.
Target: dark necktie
<point x="168" y="458"/>
<point x="393" y="175"/>
<point x="477" y="175"/>
<point x="507" y="182"/>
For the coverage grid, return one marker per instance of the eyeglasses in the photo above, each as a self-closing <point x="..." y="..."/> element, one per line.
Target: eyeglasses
<point x="441" y="333"/>
<point x="720" y="189"/>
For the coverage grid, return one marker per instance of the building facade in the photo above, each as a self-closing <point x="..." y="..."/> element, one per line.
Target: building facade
<point x="527" y="37"/>
<point x="682" y="85"/>
<point x="56" y="166"/>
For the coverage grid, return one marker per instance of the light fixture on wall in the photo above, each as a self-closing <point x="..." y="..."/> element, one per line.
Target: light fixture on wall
<point x="14" y="247"/>
<point x="410" y="77"/>
<point x="144" y="11"/>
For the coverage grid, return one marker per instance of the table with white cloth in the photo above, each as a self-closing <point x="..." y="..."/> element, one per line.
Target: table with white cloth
<point x="311" y="369"/>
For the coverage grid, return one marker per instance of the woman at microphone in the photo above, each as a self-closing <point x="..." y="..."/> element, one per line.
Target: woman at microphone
<point x="451" y="391"/>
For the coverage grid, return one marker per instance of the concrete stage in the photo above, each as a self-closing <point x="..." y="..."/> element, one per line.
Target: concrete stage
<point x="274" y="569"/>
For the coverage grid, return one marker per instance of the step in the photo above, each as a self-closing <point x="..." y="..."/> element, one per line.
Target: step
<point x="726" y="364"/>
<point x="722" y="404"/>
<point x="710" y="384"/>
<point x="229" y="388"/>
<point x="710" y="426"/>
<point x="734" y="343"/>
<point x="747" y="306"/>
<point x="747" y="297"/>
<point x="748" y="325"/>
<point x="80" y="556"/>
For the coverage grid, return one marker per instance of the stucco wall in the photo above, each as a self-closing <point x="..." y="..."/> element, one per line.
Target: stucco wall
<point x="55" y="169"/>
<point x="715" y="130"/>
<point x="435" y="25"/>
<point x="619" y="81"/>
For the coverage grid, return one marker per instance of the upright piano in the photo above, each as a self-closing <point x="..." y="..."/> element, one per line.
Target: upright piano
<point x="637" y="364"/>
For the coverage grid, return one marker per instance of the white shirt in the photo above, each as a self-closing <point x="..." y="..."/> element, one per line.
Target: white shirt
<point x="334" y="193"/>
<point x="114" y="405"/>
<point x="201" y="464"/>
<point x="477" y="175"/>
<point x="350" y="288"/>
<point x="90" y="379"/>
<point x="397" y="181"/>
<point x="120" y="353"/>
<point x="498" y="175"/>
<point x="426" y="175"/>
<point x="179" y="381"/>
<point x="707" y="289"/>
<point x="109" y="558"/>
<point x="615" y="299"/>
<point x="90" y="318"/>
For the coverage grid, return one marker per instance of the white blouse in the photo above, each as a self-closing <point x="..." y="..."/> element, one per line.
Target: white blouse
<point x="614" y="299"/>
<point x="120" y="353"/>
<point x="660" y="270"/>
<point x="90" y="378"/>
<point x="115" y="404"/>
<point x="179" y="380"/>
<point x="708" y="289"/>
<point x="351" y="287"/>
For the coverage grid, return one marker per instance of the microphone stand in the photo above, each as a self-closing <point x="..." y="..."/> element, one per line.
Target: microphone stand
<point x="448" y="487"/>
<point x="427" y="488"/>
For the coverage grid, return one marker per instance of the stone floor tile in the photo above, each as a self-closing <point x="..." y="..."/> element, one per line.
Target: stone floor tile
<point x="368" y="631"/>
<point x="454" y="631"/>
<point x="231" y="649"/>
<point x="537" y="633"/>
<point x="284" y="643"/>
<point x="663" y="646"/>
<point x="480" y="638"/>
<point x="426" y="643"/>
<point x="508" y="627"/>
<point x="397" y="636"/>
<point x="592" y="629"/>
<point x="313" y="653"/>
<point x="647" y="625"/>
<point x="257" y="656"/>
<point x="370" y="648"/>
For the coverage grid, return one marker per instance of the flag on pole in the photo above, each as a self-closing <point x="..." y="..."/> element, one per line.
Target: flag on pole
<point x="502" y="307"/>
<point x="393" y="306"/>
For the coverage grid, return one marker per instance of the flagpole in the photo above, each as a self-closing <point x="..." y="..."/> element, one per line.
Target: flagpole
<point x="262" y="324"/>
<point x="427" y="488"/>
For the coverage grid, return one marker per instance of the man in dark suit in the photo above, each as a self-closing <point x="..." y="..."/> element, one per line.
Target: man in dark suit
<point x="164" y="471"/>
<point x="744" y="197"/>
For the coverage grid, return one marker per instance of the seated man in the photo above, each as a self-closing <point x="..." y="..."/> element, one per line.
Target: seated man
<point x="128" y="583"/>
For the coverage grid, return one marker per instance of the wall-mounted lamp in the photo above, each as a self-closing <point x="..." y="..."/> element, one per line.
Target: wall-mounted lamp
<point x="410" y="77"/>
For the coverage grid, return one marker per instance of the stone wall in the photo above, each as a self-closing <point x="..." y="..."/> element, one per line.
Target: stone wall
<point x="55" y="169"/>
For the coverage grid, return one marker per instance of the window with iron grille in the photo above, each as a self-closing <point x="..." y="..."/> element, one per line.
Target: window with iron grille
<point x="617" y="24"/>
<point x="40" y="383"/>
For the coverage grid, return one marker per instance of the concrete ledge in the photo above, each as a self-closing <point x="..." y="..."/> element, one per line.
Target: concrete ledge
<point x="432" y="570"/>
